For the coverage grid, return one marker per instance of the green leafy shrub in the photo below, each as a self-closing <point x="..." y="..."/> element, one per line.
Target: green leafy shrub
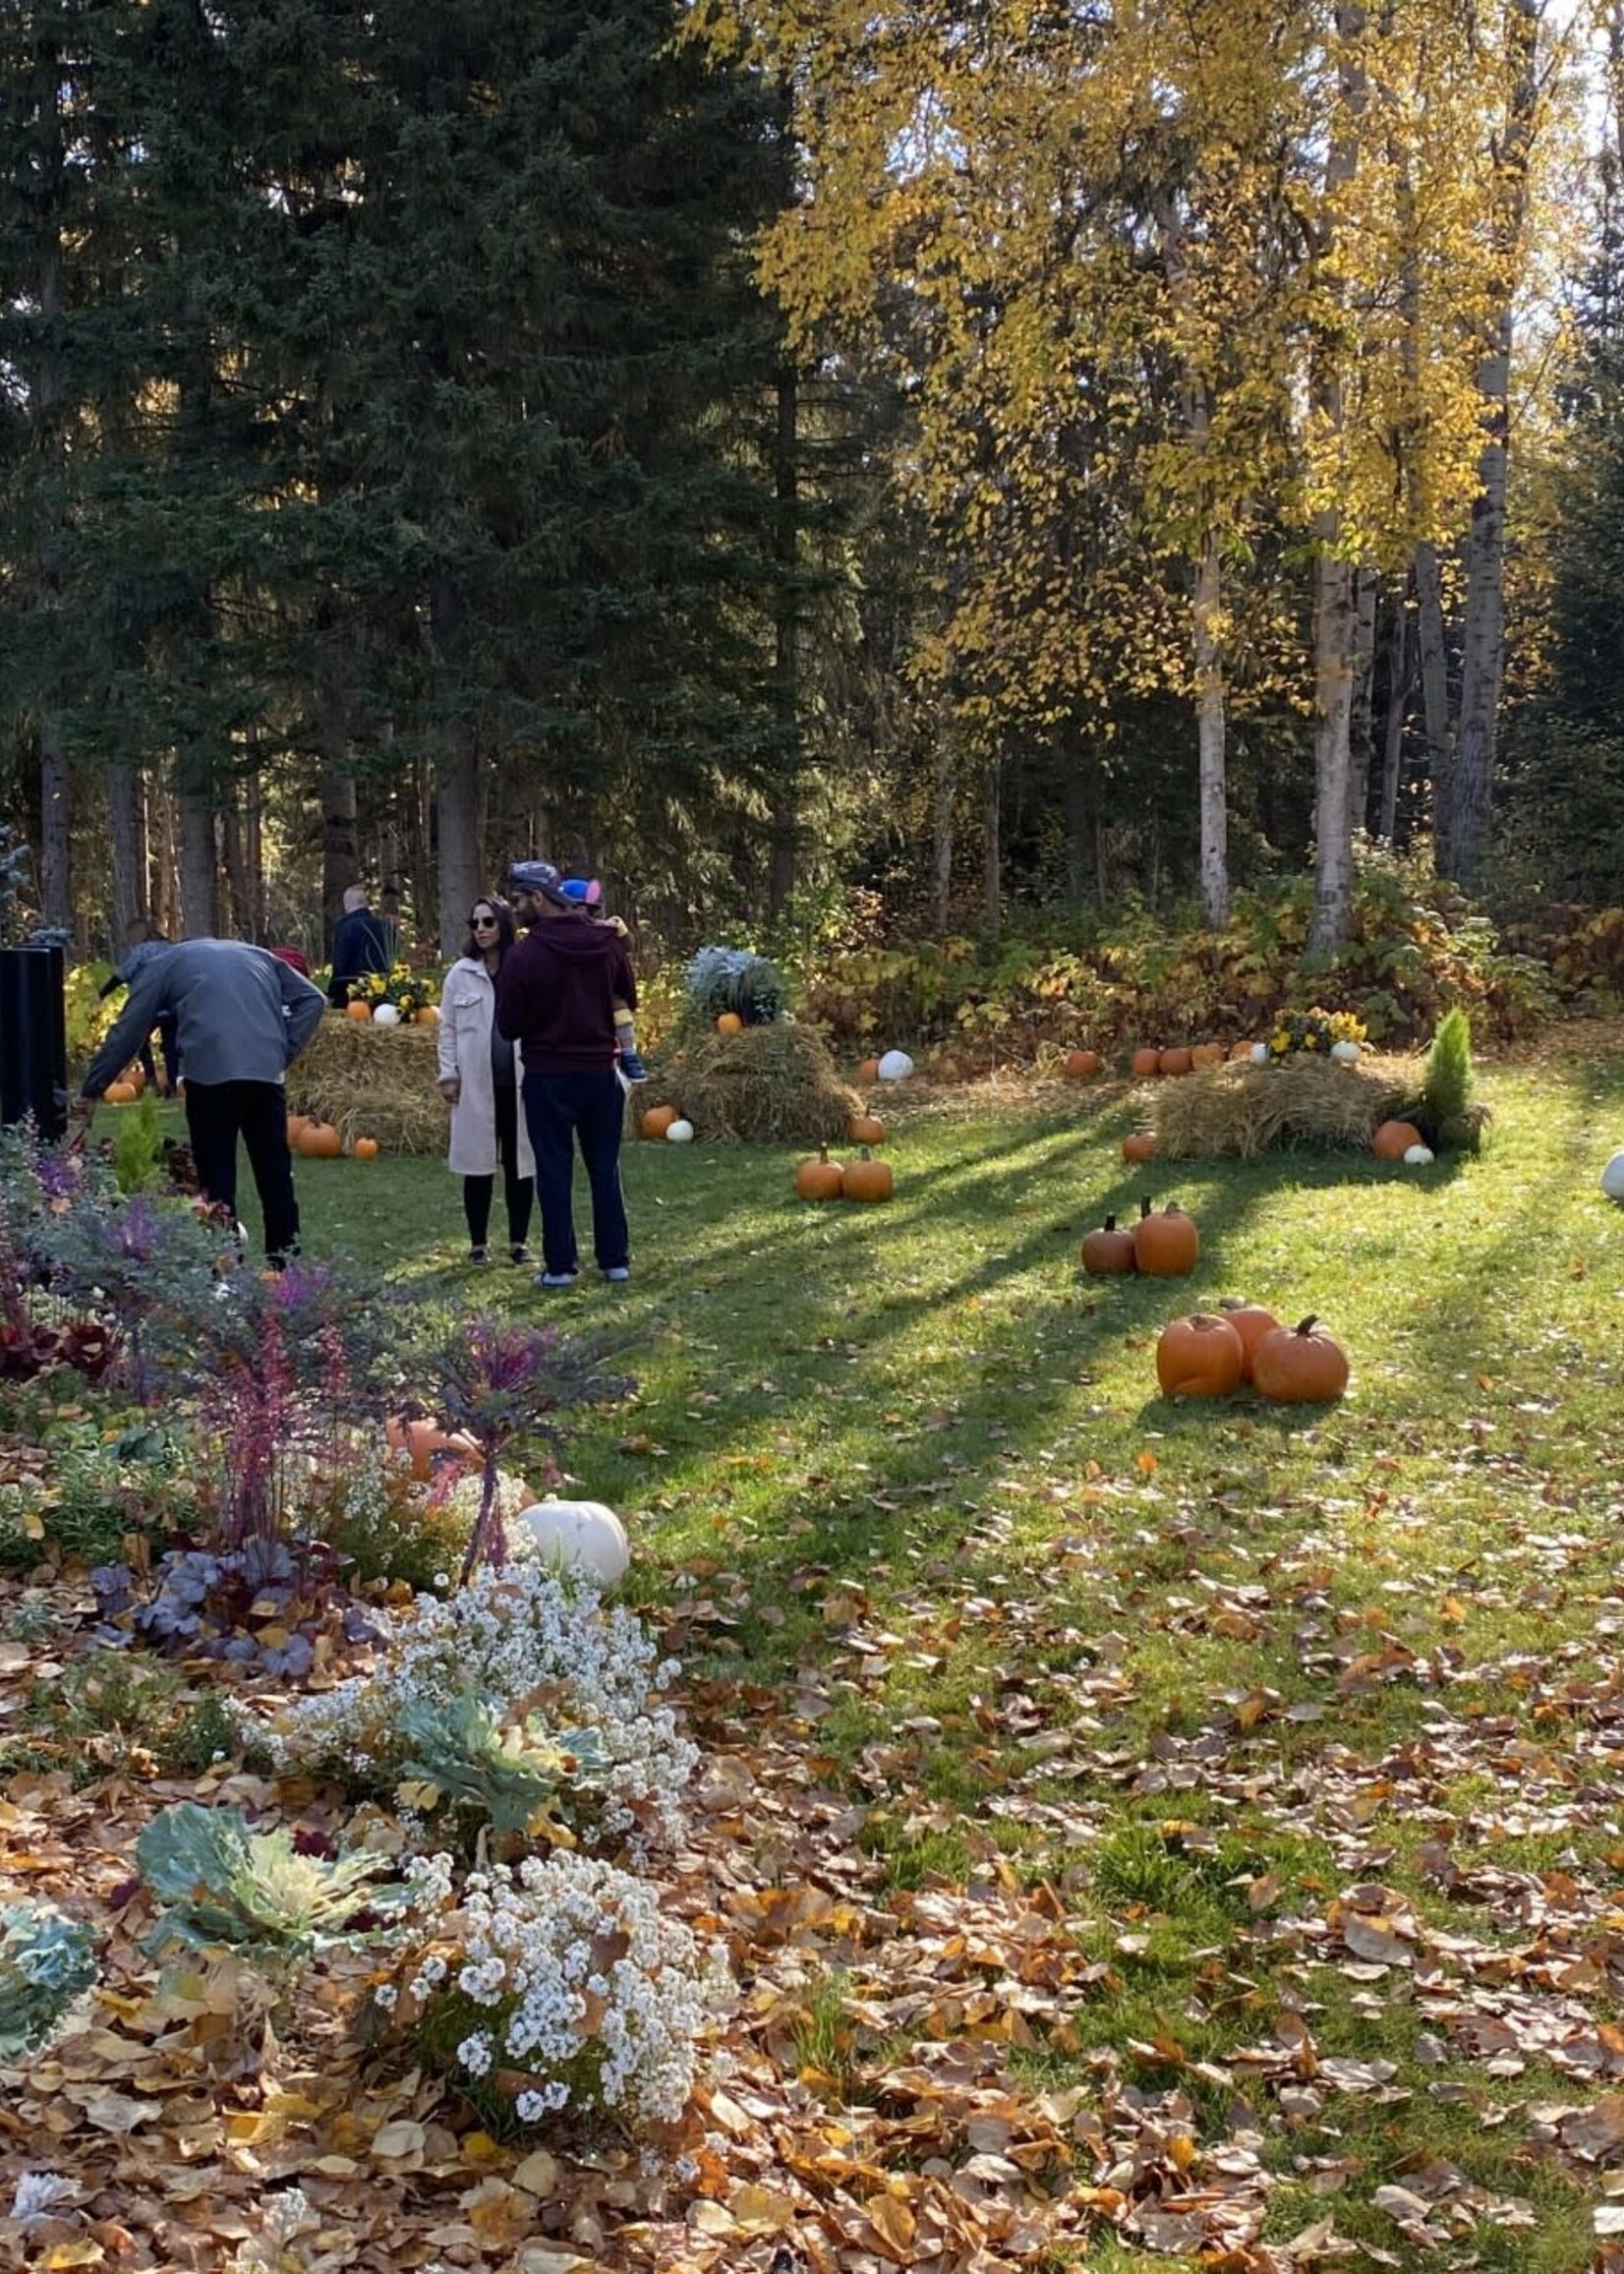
<point x="46" y="1963"/>
<point x="138" y="1145"/>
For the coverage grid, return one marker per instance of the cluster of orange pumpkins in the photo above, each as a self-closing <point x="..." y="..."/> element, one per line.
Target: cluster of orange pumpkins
<point x="1184" y="1058"/>
<point x="315" y="1140"/>
<point x="362" y="1014"/>
<point x="127" y="1089"/>
<point x="1214" y="1352"/>
<point x="864" y="1178"/>
<point x="1163" y="1245"/>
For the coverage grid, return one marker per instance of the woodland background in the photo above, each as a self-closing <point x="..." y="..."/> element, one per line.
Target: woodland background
<point x="970" y="465"/>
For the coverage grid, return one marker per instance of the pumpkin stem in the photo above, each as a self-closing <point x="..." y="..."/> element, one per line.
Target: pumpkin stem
<point x="1307" y="1325"/>
<point x="1144" y="1206"/>
<point x="1109" y="1224"/>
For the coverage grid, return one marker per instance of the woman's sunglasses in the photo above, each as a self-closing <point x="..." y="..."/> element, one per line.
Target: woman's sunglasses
<point x="484" y="924"/>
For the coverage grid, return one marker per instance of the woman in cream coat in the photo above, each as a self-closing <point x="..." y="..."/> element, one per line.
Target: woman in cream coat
<point x="479" y="1080"/>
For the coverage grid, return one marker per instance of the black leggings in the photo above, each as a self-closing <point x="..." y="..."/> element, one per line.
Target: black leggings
<point x="518" y="1191"/>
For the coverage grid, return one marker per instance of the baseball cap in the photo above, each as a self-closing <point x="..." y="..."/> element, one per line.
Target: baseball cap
<point x="539" y="876"/>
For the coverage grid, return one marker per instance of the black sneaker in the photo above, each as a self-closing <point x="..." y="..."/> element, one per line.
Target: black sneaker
<point x="478" y="1255"/>
<point x="631" y="1065"/>
<point x="521" y="1253"/>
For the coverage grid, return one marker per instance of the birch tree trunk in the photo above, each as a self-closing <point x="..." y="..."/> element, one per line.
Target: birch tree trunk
<point x="1398" y="703"/>
<point x="1210" y="736"/>
<point x="1362" y="723"/>
<point x="1433" y="647"/>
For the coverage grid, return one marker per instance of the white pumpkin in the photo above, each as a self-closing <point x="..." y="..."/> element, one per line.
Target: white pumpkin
<point x="1612" y="1178"/>
<point x="896" y="1065"/>
<point x="681" y="1133"/>
<point x="1418" y="1156"/>
<point x="387" y="1015"/>
<point x="1345" y="1053"/>
<point x="579" y="1535"/>
<point x="1260" y="1053"/>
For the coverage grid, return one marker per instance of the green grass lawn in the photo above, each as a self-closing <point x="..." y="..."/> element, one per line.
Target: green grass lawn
<point x="904" y="1474"/>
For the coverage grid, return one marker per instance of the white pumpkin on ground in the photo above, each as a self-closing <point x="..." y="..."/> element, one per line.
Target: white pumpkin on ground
<point x="1418" y="1156"/>
<point x="579" y="1535"/>
<point x="1612" y="1178"/>
<point x="387" y="1015"/>
<point x="896" y="1065"/>
<point x="681" y="1133"/>
<point x="1260" y="1053"/>
<point x="1345" y="1053"/>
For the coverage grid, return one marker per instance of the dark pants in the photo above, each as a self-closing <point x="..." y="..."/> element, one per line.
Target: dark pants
<point x="516" y="1189"/>
<point x="168" y="1030"/>
<point x="217" y="1113"/>
<point x="562" y="1110"/>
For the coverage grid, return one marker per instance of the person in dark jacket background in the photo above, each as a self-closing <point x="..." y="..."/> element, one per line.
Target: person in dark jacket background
<point x="360" y="944"/>
<point x="241" y="1018"/>
<point x="556" y="997"/>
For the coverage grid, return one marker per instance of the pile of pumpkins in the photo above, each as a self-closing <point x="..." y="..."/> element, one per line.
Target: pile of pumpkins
<point x="575" y="1536"/>
<point x="864" y="1178"/>
<point x="315" y="1140"/>
<point x="665" y="1121"/>
<point x="1163" y="1245"/>
<point x="1401" y="1140"/>
<point x="1184" y="1058"/>
<point x="1215" y="1352"/>
<point x="890" y="1066"/>
<point x="389" y="1013"/>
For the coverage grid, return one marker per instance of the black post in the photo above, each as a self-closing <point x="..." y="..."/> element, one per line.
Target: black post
<point x="33" y="1039"/>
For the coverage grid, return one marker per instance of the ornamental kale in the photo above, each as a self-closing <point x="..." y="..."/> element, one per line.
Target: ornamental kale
<point x="46" y="1963"/>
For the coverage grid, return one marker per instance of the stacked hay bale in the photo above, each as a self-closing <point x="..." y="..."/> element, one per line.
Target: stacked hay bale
<point x="374" y="1082"/>
<point x="769" y="1084"/>
<point x="1242" y="1110"/>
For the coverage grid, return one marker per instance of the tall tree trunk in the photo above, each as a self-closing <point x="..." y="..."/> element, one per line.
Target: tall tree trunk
<point x="1210" y="729"/>
<point x="56" y="883"/>
<point x="199" y="867"/>
<point x="126" y="827"/>
<point x="239" y="923"/>
<point x="1078" y="850"/>
<point x="783" y="864"/>
<point x="340" y="845"/>
<point x="1432" y="646"/>
<point x="457" y="807"/>
<point x="1334" y="597"/>
<point x="1399" y="686"/>
<point x="1362" y="748"/>
<point x="1333" y="708"/>
<point x="253" y="856"/>
<point x="992" y="846"/>
<point x="1482" y="643"/>
<point x="165" y="865"/>
<point x="946" y="788"/>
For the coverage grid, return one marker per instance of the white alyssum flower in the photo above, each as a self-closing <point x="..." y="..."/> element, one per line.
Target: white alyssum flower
<point x="524" y="1639"/>
<point x="592" y="1991"/>
<point x="38" y="2194"/>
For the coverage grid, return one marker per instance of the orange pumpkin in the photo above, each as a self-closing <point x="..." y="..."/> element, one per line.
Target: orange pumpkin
<point x="298" y="1122"/>
<point x="1146" y="1063"/>
<point x="1165" y="1245"/>
<point x="866" y="1178"/>
<point x="428" y="1016"/>
<point x="658" y="1120"/>
<point x="869" y="1071"/>
<point x="1394" y="1139"/>
<point x="318" y="1140"/>
<point x="1198" y="1356"/>
<point x="1300" y="1366"/>
<point x="135" y="1077"/>
<point x="1208" y="1054"/>
<point x="120" y="1093"/>
<point x="1108" y="1250"/>
<point x="1082" y="1065"/>
<point x="821" y="1178"/>
<point x="1178" y="1061"/>
<point x="365" y="1148"/>
<point x="866" y="1128"/>
<point x="1139" y="1145"/>
<point x="729" y="1022"/>
<point x="420" y="1441"/>
<point x="1251" y="1322"/>
<point x="1240" y="1050"/>
<point x="357" y="1009"/>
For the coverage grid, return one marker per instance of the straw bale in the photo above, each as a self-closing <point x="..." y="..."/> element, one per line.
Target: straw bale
<point x="1242" y="1109"/>
<point x="374" y="1082"/>
<point x="769" y="1084"/>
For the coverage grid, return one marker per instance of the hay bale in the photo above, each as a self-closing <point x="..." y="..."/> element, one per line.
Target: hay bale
<point x="769" y="1084"/>
<point x="372" y="1081"/>
<point x="1240" y="1109"/>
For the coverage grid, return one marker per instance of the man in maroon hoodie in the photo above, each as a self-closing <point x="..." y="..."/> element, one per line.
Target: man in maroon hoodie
<point x="555" y="998"/>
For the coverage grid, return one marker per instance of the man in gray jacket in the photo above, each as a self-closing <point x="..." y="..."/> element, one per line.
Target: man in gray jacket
<point x="242" y="1017"/>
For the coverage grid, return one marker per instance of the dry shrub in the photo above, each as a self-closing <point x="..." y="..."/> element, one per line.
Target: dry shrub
<point x="372" y="1081"/>
<point x="772" y="1084"/>
<point x="1246" y="1109"/>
